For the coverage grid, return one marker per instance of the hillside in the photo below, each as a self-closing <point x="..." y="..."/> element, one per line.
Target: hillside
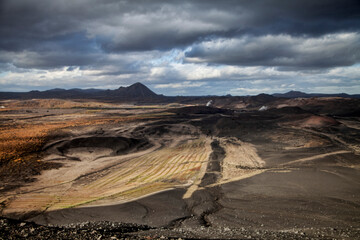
<point x="298" y="94"/>
<point x="135" y="92"/>
<point x="138" y="92"/>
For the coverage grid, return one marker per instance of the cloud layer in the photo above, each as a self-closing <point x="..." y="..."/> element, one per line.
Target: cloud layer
<point x="181" y="47"/>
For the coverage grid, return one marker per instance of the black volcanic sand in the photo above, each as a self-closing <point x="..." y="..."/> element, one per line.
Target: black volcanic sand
<point x="302" y="198"/>
<point x="157" y="210"/>
<point x="312" y="199"/>
<point x="116" y="144"/>
<point x="94" y="144"/>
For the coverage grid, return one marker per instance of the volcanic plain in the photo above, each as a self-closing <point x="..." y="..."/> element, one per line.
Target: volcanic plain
<point x="184" y="170"/>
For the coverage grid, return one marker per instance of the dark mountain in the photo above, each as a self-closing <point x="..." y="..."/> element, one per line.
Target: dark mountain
<point x="138" y="92"/>
<point x="135" y="92"/>
<point x="291" y="94"/>
<point x="90" y="90"/>
<point x="259" y="100"/>
<point x="297" y="94"/>
<point x="56" y="90"/>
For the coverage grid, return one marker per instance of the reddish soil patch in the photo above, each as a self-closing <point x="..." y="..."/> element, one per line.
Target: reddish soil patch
<point x="319" y="122"/>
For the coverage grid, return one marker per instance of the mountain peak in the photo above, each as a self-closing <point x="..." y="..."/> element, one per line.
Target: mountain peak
<point x="136" y="90"/>
<point x="293" y="91"/>
<point x="291" y="94"/>
<point x="135" y="85"/>
<point x="138" y="84"/>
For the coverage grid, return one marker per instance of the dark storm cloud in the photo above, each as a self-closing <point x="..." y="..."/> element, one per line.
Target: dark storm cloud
<point x="164" y="25"/>
<point x="57" y="51"/>
<point x="54" y="60"/>
<point x="311" y="18"/>
<point x="147" y="25"/>
<point x="281" y="51"/>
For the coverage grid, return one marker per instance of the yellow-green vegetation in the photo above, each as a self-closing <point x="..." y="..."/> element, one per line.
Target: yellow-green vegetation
<point x="139" y="176"/>
<point x="136" y="177"/>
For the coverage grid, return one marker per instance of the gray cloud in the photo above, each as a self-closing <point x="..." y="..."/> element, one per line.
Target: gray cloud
<point x="280" y="50"/>
<point x="147" y="25"/>
<point x="119" y="42"/>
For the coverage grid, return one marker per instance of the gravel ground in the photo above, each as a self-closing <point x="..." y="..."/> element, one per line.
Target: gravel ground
<point x="14" y="229"/>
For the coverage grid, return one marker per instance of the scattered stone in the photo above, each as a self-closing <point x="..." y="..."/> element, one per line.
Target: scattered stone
<point x="14" y="229"/>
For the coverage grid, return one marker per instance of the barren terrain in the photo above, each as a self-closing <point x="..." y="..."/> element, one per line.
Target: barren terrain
<point x="292" y="171"/>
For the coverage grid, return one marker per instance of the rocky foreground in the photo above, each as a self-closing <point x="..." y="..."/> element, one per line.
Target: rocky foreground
<point x="15" y="229"/>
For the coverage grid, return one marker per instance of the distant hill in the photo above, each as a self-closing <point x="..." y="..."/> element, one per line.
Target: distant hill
<point x="135" y="92"/>
<point x="138" y="92"/>
<point x="297" y="94"/>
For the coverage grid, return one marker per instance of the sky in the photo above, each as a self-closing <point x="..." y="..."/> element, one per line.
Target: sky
<point x="181" y="47"/>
